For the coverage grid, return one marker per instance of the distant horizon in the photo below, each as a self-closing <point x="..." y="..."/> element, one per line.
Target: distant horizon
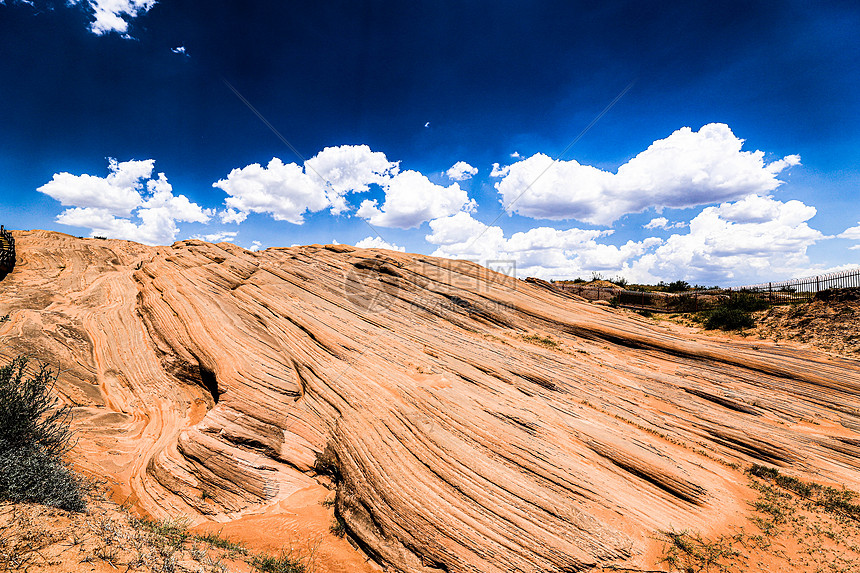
<point x="712" y="144"/>
<point x="499" y="267"/>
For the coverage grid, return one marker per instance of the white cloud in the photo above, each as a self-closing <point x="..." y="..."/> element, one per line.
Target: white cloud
<point x="461" y="171"/>
<point x="284" y="191"/>
<point x="227" y="236"/>
<point x="114" y="15"/>
<point x="411" y="199"/>
<point x="516" y="155"/>
<point x="780" y="164"/>
<point x="118" y="193"/>
<point x="751" y="240"/>
<point x="349" y="169"/>
<point x="852" y="233"/>
<point x="378" y="243"/>
<point x="686" y="169"/>
<point x="179" y="50"/>
<point x="754" y="239"/>
<point x="663" y="223"/>
<point x="108" y="205"/>
<point x="542" y="251"/>
<point x="499" y="171"/>
<point x="256" y="246"/>
<point x="288" y="191"/>
<point x="657" y="223"/>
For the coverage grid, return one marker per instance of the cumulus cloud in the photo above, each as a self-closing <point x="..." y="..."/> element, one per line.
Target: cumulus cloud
<point x="282" y="190"/>
<point x="127" y="204"/>
<point x="117" y="194"/>
<point x="686" y="169"/>
<point x="411" y="199"/>
<point x="349" y="169"/>
<point x="756" y="238"/>
<point x="498" y="171"/>
<point x="256" y="246"/>
<point x="288" y="191"/>
<point x="663" y="223"/>
<point x="542" y="251"/>
<point x="461" y="171"/>
<point x="657" y="223"/>
<point x="748" y="241"/>
<point x="227" y="236"/>
<point x="852" y="233"/>
<point x="114" y="15"/>
<point x="378" y="243"/>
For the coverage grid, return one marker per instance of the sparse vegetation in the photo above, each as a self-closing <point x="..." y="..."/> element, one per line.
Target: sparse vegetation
<point x="674" y="286"/>
<point x="215" y="540"/>
<point x="801" y="526"/>
<point x="832" y="500"/>
<point x="545" y="341"/>
<point x="286" y="562"/>
<point x="733" y="313"/>
<point x="34" y="437"/>
<point x="338" y="526"/>
<point x="173" y="531"/>
<point x="690" y="553"/>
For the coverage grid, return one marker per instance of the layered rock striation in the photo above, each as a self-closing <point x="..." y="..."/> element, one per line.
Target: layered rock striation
<point x="468" y="421"/>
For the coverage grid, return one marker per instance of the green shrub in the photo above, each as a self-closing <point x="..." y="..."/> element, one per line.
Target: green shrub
<point x="32" y="476"/>
<point x="724" y="318"/>
<point x="285" y="563"/>
<point x="34" y="436"/>
<point x="734" y="313"/>
<point x="746" y="302"/>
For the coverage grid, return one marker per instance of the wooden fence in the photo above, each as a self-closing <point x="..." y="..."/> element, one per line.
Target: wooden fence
<point x="785" y="292"/>
<point x="7" y="252"/>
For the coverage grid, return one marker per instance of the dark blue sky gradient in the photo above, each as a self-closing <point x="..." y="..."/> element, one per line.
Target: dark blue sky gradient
<point x="490" y="77"/>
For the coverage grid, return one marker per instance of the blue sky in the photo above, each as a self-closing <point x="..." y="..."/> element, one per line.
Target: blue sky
<point x="730" y="157"/>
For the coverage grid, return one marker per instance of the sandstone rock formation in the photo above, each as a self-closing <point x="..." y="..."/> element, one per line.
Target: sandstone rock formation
<point x="469" y="422"/>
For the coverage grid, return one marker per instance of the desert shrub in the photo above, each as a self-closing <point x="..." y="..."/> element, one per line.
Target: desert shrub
<point x="677" y="286"/>
<point x="34" y="436"/>
<point x="746" y="302"/>
<point x="33" y="476"/>
<point x="724" y="318"/>
<point x="734" y="313"/>
<point x="284" y="563"/>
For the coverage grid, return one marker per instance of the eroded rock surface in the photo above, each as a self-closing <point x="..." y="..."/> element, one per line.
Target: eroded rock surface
<point x="469" y="422"/>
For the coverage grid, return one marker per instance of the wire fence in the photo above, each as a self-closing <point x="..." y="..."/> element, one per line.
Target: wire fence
<point x="799" y="290"/>
<point x="7" y="251"/>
